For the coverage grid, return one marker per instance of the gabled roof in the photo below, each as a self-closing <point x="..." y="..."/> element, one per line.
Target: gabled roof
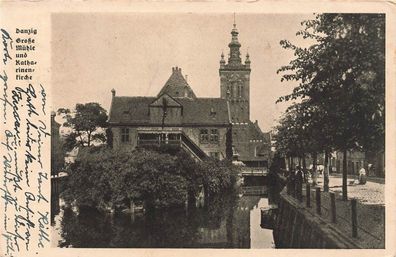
<point x="255" y="131"/>
<point x="253" y="137"/>
<point x="176" y="86"/>
<point x="167" y="100"/>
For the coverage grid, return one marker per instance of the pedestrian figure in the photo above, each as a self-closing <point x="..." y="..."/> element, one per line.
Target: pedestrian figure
<point x="299" y="180"/>
<point x="314" y="176"/>
<point x="362" y="176"/>
<point x="291" y="181"/>
<point x="369" y="169"/>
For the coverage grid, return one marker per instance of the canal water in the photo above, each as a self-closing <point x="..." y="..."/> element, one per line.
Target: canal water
<point x="227" y="221"/>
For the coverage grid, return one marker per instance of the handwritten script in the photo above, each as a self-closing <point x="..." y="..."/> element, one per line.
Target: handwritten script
<point x="25" y="137"/>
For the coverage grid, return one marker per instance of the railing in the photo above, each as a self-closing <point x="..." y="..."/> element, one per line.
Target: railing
<point x="184" y="142"/>
<point x="142" y="142"/>
<point x="193" y="147"/>
<point x="254" y="171"/>
<point x="254" y="190"/>
<point x="335" y="211"/>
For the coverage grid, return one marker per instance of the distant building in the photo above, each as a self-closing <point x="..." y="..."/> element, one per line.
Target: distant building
<point x="215" y="127"/>
<point x="357" y="159"/>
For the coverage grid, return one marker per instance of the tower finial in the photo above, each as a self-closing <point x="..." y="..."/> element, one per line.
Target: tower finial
<point x="234" y="45"/>
<point x="247" y="60"/>
<point x="222" y="61"/>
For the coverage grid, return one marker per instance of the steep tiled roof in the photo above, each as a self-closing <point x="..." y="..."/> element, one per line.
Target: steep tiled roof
<point x="256" y="133"/>
<point x="204" y="111"/>
<point x="177" y="86"/>
<point x="252" y="137"/>
<point x="198" y="111"/>
<point x="130" y="109"/>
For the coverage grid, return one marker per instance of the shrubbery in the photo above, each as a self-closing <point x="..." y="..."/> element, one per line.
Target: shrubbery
<point x="103" y="177"/>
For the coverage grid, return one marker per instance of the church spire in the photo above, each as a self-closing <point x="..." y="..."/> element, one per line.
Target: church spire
<point x="234" y="46"/>
<point x="235" y="80"/>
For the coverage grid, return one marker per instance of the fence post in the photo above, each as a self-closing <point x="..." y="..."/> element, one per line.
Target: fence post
<point x="299" y="187"/>
<point x="308" y="193"/>
<point x="354" y="217"/>
<point x="293" y="186"/>
<point x="300" y="195"/>
<point x="333" y="207"/>
<point x="318" y="209"/>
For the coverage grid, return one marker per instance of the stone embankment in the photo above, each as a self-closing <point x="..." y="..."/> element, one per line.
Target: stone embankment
<point x="301" y="225"/>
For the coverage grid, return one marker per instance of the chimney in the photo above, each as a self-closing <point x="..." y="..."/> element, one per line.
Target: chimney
<point x="113" y="92"/>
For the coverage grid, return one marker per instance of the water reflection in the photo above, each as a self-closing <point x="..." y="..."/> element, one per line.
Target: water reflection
<point x="227" y="221"/>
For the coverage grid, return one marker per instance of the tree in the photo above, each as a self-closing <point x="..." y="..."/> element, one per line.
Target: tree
<point x="87" y="122"/>
<point x="106" y="178"/>
<point x="343" y="72"/>
<point x="297" y="134"/>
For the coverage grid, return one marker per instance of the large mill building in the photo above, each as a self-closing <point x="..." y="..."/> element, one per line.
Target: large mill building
<point x="214" y="127"/>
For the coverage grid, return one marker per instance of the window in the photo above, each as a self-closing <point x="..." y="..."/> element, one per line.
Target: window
<point x="174" y="137"/>
<point x="209" y="136"/>
<point x="214" y="136"/>
<point x="148" y="136"/>
<point x="204" y="136"/>
<point x="124" y="135"/>
<point x="232" y="90"/>
<point x="214" y="155"/>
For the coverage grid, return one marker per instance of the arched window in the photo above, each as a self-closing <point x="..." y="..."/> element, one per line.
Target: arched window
<point x="256" y="151"/>
<point x="232" y="91"/>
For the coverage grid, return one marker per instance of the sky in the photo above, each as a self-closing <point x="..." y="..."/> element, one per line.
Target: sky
<point x="134" y="53"/>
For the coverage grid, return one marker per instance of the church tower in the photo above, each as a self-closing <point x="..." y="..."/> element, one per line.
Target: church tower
<point x="235" y="81"/>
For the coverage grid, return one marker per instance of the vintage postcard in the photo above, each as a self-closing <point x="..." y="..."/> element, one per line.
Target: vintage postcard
<point x="197" y="128"/>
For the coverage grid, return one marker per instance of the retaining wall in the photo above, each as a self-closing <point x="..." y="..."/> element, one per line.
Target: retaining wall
<point x="298" y="228"/>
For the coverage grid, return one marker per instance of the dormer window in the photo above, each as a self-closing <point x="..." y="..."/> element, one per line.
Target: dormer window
<point x="125" y="114"/>
<point x="212" y="112"/>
